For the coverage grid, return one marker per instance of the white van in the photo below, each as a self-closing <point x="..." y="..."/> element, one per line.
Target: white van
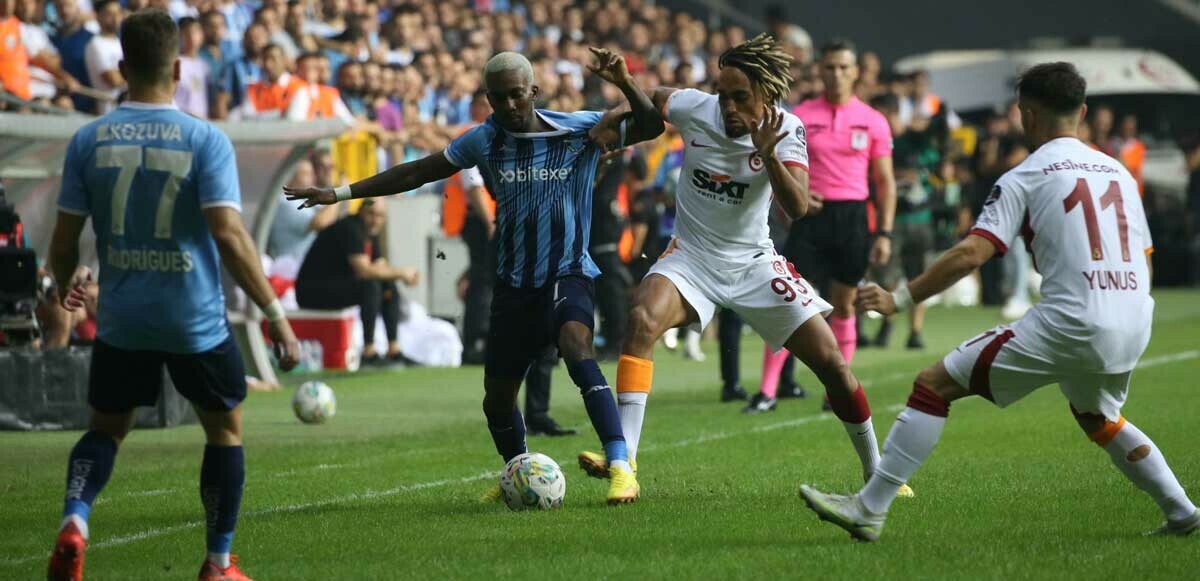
<point x="1163" y="95"/>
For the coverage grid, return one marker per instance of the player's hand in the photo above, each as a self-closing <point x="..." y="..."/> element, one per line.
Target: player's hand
<point x="76" y="298"/>
<point x="310" y="196"/>
<point x="408" y="275"/>
<point x="283" y="340"/>
<point x="872" y="297"/>
<point x="881" y="251"/>
<point x="769" y="132"/>
<point x="816" y="202"/>
<point x="610" y="66"/>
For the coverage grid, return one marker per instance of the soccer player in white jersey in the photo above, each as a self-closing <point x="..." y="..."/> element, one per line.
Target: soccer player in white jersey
<point x="740" y="148"/>
<point x="1081" y="217"/>
<point x="161" y="189"/>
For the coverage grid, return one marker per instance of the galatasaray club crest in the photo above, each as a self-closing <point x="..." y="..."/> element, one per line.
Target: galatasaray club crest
<point x="756" y="162"/>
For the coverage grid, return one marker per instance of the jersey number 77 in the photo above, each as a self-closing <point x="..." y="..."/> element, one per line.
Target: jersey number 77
<point x="128" y="159"/>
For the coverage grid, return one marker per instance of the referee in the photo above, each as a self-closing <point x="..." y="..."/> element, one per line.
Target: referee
<point x="849" y="149"/>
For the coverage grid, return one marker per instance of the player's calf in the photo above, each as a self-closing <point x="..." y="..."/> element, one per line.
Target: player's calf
<point x="643" y="331"/>
<point x="504" y="419"/>
<point x="1137" y="457"/>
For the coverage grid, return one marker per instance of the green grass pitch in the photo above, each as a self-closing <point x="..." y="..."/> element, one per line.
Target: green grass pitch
<point x="388" y="489"/>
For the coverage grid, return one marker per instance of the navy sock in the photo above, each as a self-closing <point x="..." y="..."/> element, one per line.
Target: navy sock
<point x="88" y="469"/>
<point x="601" y="408"/>
<point x="508" y="433"/>
<point x="222" y="476"/>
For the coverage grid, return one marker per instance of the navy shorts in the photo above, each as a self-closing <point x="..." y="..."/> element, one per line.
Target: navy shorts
<point x="526" y="320"/>
<point x="120" y="380"/>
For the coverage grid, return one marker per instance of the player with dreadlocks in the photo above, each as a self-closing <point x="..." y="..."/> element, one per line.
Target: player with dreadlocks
<point x="740" y="148"/>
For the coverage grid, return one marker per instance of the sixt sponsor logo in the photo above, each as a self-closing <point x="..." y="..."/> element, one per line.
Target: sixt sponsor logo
<point x="534" y="174"/>
<point x="719" y="184"/>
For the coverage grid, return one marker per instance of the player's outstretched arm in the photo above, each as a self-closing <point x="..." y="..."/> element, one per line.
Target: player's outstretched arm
<point x="644" y="120"/>
<point x="240" y="258"/>
<point x="397" y="180"/>
<point x="959" y="261"/>
<point x="789" y="183"/>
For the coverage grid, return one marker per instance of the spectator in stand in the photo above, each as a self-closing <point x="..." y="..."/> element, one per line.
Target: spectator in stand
<point x="342" y="269"/>
<point x="1102" y="127"/>
<point x="47" y="76"/>
<point x="1130" y="150"/>
<point x="352" y="85"/>
<point x="103" y="54"/>
<point x="271" y="17"/>
<point x="316" y="100"/>
<point x="217" y="52"/>
<point x="331" y="19"/>
<point x="272" y="95"/>
<point x="14" y="60"/>
<point x="191" y="94"/>
<point x="71" y="40"/>
<point x="927" y="105"/>
<point x="238" y="16"/>
<point x="240" y="72"/>
<point x="294" y="23"/>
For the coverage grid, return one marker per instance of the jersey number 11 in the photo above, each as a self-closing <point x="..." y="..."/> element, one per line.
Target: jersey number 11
<point x="1082" y="196"/>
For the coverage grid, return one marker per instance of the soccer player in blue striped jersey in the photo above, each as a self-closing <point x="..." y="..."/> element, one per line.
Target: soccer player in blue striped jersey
<point x="161" y="188"/>
<point x="539" y="166"/>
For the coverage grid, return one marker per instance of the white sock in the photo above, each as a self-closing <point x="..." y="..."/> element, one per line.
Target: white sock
<point x="1140" y="460"/>
<point x="219" y="559"/>
<point x="863" y="437"/>
<point x="631" y="406"/>
<point x="912" y="438"/>
<point x="622" y="464"/>
<point x="79" y="524"/>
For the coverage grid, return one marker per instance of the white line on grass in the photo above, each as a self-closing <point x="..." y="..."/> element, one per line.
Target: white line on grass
<point x="371" y="494"/>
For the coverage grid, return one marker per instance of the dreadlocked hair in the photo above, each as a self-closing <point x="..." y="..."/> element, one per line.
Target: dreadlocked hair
<point x="768" y="66"/>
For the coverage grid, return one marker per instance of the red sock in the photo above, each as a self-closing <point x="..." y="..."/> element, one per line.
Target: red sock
<point x="853" y="408"/>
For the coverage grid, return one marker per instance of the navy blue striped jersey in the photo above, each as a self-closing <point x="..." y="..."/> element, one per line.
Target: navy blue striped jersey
<point x="542" y="184"/>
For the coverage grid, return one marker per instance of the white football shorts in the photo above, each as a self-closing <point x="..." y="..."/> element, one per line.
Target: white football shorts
<point x="991" y="365"/>
<point x="765" y="290"/>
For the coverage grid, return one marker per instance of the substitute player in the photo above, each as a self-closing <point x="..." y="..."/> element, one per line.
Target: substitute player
<point x="740" y="147"/>
<point x="161" y="188"/>
<point x="850" y="146"/>
<point x="1081" y="216"/>
<point x="538" y="165"/>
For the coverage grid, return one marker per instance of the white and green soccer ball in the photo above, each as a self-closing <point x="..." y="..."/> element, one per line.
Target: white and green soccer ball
<point x="533" y="481"/>
<point x="314" y="402"/>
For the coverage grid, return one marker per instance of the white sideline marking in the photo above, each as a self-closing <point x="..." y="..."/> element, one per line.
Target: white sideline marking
<point x="371" y="494"/>
<point x="1171" y="358"/>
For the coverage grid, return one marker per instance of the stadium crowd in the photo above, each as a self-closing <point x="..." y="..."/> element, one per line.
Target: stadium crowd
<point x="408" y="72"/>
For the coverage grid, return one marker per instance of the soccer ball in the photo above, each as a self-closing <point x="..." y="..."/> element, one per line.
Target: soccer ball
<point x="314" y="402"/>
<point x="533" y="481"/>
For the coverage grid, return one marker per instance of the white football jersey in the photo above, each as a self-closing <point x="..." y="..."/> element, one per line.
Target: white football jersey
<point x="724" y="195"/>
<point x="1081" y="217"/>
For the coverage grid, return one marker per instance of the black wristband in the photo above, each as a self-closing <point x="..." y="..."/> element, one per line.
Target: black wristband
<point x="884" y="233"/>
